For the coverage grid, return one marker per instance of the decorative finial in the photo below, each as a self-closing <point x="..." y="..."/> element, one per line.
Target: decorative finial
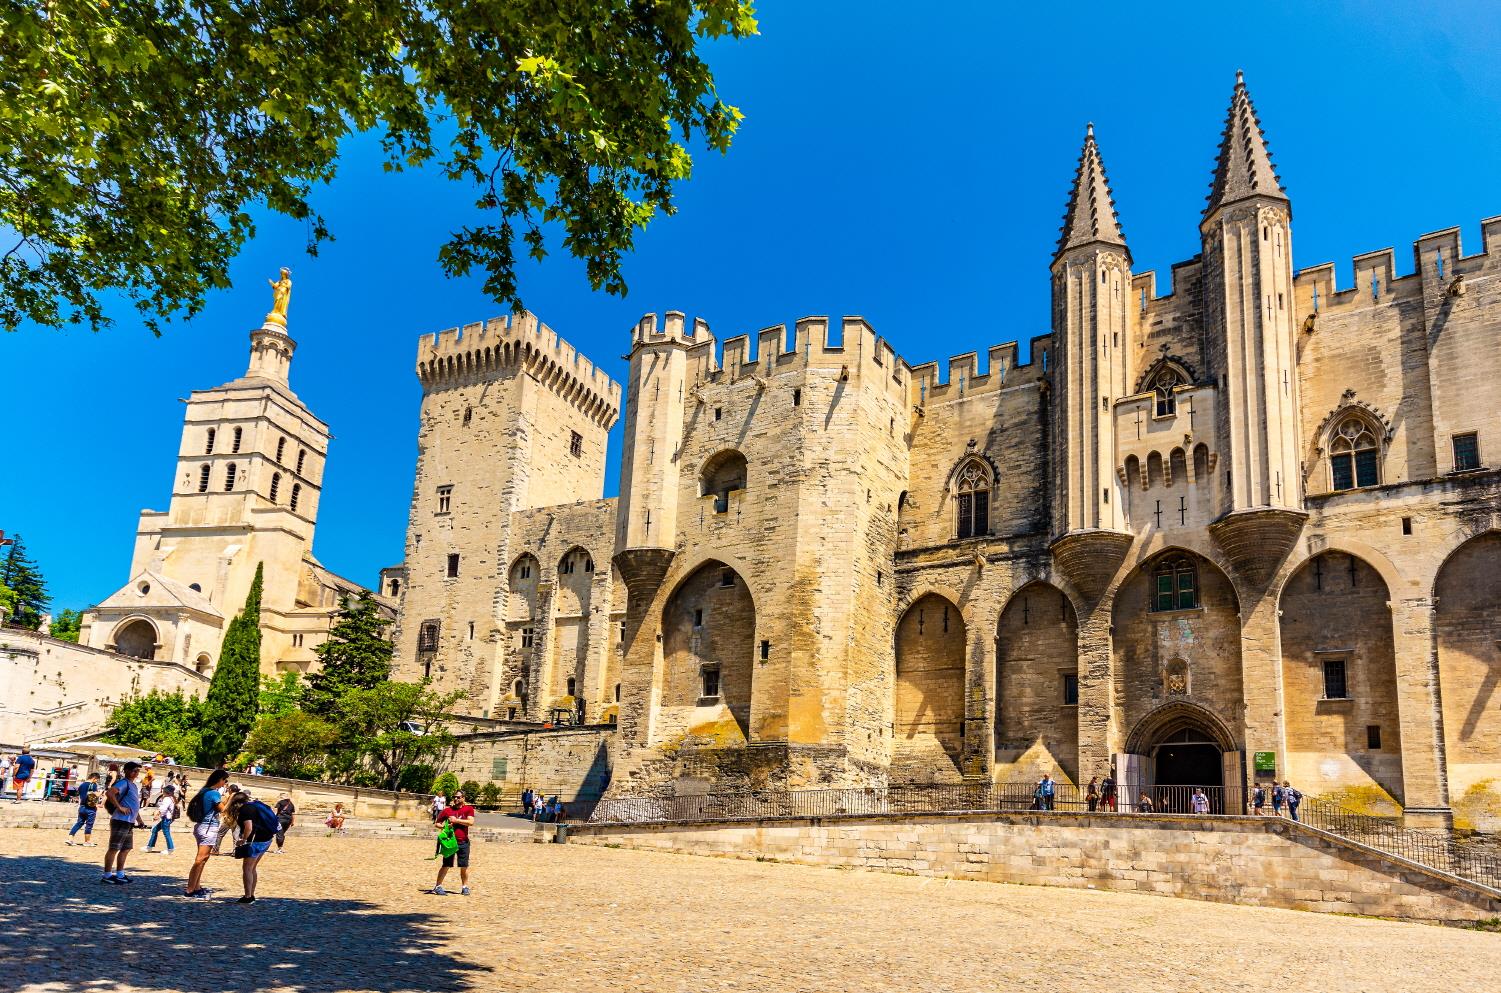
<point x="281" y="295"/>
<point x="1240" y="76"/>
<point x="1089" y="130"/>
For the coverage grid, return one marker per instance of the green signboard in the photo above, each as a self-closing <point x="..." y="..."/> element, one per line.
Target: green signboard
<point x="1266" y="761"/>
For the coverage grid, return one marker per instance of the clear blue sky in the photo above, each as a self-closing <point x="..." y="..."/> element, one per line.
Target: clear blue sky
<point x="902" y="162"/>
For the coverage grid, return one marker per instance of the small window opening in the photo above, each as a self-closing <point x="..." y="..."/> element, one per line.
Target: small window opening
<point x="275" y="485"/>
<point x="698" y="617"/>
<point x="718" y="413"/>
<point x="235" y="445"/>
<point x="1070" y="689"/>
<point x="468" y="415"/>
<point x="229" y="478"/>
<point x="576" y="445"/>
<point x="471" y="630"/>
<point x="1175" y="585"/>
<point x="617" y="692"/>
<point x="1407" y="525"/>
<point x="296" y="494"/>
<point x="453" y="564"/>
<point x="445" y="498"/>
<point x="726" y="577"/>
<point x="571" y="686"/>
<point x="203" y="474"/>
<point x="797" y="397"/>
<point x="1466" y="452"/>
<point x="528" y="636"/>
<point x="1334" y="680"/>
<point x="208" y="449"/>
<point x="709" y="681"/>
<point x="1373" y="737"/>
<point x="281" y="447"/>
<point x="765" y="650"/>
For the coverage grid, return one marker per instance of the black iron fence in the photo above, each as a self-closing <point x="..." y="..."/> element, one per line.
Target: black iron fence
<point x="1438" y="849"/>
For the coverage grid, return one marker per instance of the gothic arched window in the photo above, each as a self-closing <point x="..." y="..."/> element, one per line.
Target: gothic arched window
<point x="1163" y="386"/>
<point x="1175" y="584"/>
<point x="972" y="499"/>
<point x="275" y="485"/>
<point x="1354" y="456"/>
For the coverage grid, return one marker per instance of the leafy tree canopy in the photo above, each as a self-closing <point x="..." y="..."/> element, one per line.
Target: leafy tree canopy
<point x="136" y="135"/>
<point x="280" y="695"/>
<point x="66" y="625"/>
<point x="355" y="656"/>
<point x="21" y="575"/>
<point x="233" y="698"/>
<point x="161" y="722"/>
<point x="291" y="743"/>
<point x="395" y="725"/>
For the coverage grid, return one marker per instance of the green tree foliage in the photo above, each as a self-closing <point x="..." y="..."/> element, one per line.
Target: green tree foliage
<point x="66" y="625"/>
<point x="489" y="796"/>
<point x="416" y="778"/>
<point x="393" y="725"/>
<point x="18" y="573"/>
<point x="234" y="694"/>
<point x="471" y="790"/>
<point x="446" y="784"/>
<point x="169" y="723"/>
<point x="292" y="743"/>
<point x="280" y="695"/>
<point x="137" y="135"/>
<point x="355" y="656"/>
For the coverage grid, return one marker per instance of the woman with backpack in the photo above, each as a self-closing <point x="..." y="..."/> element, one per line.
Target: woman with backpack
<point x="205" y="810"/>
<point x="258" y="826"/>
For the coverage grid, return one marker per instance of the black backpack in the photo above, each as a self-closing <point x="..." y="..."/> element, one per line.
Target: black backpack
<point x="198" y="807"/>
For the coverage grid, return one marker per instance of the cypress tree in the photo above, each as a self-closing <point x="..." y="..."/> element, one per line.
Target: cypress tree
<point x="356" y="656"/>
<point x="233" y="699"/>
<point x="29" y="590"/>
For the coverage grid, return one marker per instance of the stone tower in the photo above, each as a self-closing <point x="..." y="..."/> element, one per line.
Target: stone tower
<point x="246" y="492"/>
<point x="1251" y="336"/>
<point x="1091" y="329"/>
<point x="512" y="418"/>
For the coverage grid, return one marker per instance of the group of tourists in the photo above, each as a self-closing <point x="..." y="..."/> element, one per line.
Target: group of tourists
<point x="1105" y="795"/>
<point x="218" y="811"/>
<point x="542" y="809"/>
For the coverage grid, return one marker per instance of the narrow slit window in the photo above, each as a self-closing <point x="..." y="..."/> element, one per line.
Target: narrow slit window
<point x="203" y="474"/>
<point x="275" y="485"/>
<point x="296" y="494"/>
<point x="239" y="434"/>
<point x="229" y="477"/>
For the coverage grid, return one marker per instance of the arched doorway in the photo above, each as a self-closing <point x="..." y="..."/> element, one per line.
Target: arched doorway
<point x="136" y="638"/>
<point x="1175" y="750"/>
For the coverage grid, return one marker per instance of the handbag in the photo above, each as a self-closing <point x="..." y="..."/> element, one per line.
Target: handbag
<point x="242" y="850"/>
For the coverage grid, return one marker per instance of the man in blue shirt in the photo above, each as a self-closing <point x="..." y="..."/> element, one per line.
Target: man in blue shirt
<point x="25" y="766"/>
<point x="88" y="809"/>
<point x="124" y="802"/>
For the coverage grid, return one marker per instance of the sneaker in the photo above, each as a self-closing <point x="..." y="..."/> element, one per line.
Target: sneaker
<point x="464" y="891"/>
<point x="107" y="879"/>
<point x="439" y="891"/>
<point x="246" y="899"/>
<point x="69" y="842"/>
<point x="149" y="851"/>
<point x="122" y="880"/>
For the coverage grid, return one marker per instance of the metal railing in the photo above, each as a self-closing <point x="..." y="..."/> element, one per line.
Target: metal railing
<point x="1441" y="850"/>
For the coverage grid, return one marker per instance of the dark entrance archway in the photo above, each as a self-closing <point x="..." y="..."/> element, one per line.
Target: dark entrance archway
<point x="1179" y="748"/>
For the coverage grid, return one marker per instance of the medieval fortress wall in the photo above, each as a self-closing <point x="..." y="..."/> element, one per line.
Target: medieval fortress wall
<point x="1246" y="528"/>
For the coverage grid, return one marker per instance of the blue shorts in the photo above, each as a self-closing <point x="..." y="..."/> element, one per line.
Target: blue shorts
<point x="257" y="848"/>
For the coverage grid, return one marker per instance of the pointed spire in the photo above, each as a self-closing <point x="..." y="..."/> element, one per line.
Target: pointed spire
<point x="1091" y="208"/>
<point x="1244" y="168"/>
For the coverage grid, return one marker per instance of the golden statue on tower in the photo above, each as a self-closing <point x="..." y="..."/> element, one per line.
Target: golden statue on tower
<point x="281" y="295"/>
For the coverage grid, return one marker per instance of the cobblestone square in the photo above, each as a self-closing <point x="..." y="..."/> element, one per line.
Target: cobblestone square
<point x="349" y="914"/>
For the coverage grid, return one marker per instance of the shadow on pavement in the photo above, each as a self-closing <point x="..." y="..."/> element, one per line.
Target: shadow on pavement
<point x="61" y="927"/>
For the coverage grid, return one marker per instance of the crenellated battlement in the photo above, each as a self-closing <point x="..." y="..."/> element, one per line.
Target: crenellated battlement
<point x="854" y="353"/>
<point x="1003" y="369"/>
<point x="477" y="351"/>
<point x="1438" y="259"/>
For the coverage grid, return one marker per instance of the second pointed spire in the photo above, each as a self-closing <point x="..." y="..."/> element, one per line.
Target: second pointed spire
<point x="1091" y="213"/>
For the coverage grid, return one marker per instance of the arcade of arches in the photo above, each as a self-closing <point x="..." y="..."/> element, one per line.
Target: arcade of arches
<point x="1176" y="652"/>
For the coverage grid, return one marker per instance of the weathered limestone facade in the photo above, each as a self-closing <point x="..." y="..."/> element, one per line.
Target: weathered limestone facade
<point x="245" y="493"/>
<point x="1258" y="515"/>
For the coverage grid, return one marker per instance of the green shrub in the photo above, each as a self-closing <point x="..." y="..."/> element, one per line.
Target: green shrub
<point x="447" y="784"/>
<point x="489" y="795"/>
<point x="471" y="790"/>
<point x="417" y="778"/>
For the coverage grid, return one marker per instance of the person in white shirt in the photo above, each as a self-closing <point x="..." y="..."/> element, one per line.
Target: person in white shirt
<point x="166" y="813"/>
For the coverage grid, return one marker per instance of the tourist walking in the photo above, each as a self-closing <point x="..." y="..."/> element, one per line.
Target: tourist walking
<point x="1258" y="800"/>
<point x="1092" y="794"/>
<point x="147" y="783"/>
<point x="123" y="801"/>
<point x="286" y="813"/>
<point x="258" y="825"/>
<point x="461" y="816"/>
<point x="1277" y="797"/>
<point x="21" y="774"/>
<point x="1042" y="796"/>
<point x="1293" y="799"/>
<point x="88" y="809"/>
<point x="439" y="803"/>
<point x="166" y="812"/>
<point x="526" y="802"/>
<point x="1200" y="802"/>
<point x="205" y="810"/>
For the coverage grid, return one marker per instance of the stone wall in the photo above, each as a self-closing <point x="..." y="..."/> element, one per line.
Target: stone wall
<point x="572" y="763"/>
<point x="1266" y="862"/>
<point x="54" y="690"/>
